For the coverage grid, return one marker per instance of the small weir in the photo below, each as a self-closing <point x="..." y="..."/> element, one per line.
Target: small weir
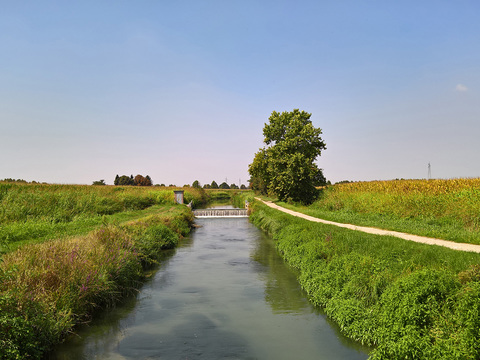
<point x="214" y="213"/>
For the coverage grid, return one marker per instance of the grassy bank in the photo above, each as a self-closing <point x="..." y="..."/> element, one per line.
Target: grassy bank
<point x="48" y="288"/>
<point x="39" y="212"/>
<point x="406" y="300"/>
<point x="446" y="209"/>
<point x="69" y="251"/>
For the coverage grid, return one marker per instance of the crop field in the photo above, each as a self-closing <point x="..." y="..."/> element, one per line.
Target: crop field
<point x="445" y="209"/>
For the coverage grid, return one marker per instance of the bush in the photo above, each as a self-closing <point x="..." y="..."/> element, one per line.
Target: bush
<point x="409" y="309"/>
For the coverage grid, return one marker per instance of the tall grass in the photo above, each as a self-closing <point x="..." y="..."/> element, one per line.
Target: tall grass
<point x="63" y="203"/>
<point x="70" y="250"/>
<point x="455" y="199"/>
<point x="447" y="209"/>
<point x="406" y="300"/>
<point x="48" y="288"/>
<point x="38" y="212"/>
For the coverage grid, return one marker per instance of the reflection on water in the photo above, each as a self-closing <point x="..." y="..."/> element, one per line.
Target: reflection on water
<point x="225" y="293"/>
<point x="282" y="290"/>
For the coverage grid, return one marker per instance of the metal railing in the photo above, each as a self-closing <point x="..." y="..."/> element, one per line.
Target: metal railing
<point x="220" y="213"/>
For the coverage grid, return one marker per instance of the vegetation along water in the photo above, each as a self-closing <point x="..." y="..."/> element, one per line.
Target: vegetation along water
<point x="224" y="293"/>
<point x="69" y="251"/>
<point x="407" y="300"/>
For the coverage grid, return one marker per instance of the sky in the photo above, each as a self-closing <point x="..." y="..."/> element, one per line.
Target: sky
<point x="181" y="90"/>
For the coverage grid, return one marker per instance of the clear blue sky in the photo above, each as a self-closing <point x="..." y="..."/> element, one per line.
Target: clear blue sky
<point x="180" y="90"/>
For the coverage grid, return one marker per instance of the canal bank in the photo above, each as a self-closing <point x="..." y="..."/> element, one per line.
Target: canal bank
<point x="405" y="299"/>
<point x="225" y="293"/>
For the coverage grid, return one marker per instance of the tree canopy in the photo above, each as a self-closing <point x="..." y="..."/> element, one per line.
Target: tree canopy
<point x="139" y="180"/>
<point x="286" y="167"/>
<point x="224" y="185"/>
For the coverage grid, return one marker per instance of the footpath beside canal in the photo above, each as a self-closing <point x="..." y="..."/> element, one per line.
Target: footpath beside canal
<point x="375" y="231"/>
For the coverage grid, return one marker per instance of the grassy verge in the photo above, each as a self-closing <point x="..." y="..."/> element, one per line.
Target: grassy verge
<point x="68" y="251"/>
<point x="406" y="300"/>
<point x="445" y="209"/>
<point x="33" y="213"/>
<point x="48" y="288"/>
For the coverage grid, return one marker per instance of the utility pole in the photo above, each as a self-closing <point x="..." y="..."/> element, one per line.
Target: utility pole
<point x="429" y="172"/>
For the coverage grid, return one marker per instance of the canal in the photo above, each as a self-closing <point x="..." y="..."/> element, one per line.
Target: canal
<point x="224" y="293"/>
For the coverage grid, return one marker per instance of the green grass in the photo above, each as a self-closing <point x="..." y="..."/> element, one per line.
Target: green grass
<point x="406" y="300"/>
<point x="17" y="234"/>
<point x="445" y="209"/>
<point x="440" y="228"/>
<point x="69" y="251"/>
<point x="47" y="288"/>
<point x="33" y="213"/>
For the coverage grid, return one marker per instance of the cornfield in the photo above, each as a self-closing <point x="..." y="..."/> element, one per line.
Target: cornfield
<point x="453" y="201"/>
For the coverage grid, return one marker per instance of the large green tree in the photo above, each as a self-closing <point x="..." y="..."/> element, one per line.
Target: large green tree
<point x="286" y="166"/>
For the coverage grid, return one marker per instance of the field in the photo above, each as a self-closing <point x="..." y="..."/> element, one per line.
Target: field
<point x="36" y="212"/>
<point x="69" y="251"/>
<point x="406" y="300"/>
<point x="445" y="209"/>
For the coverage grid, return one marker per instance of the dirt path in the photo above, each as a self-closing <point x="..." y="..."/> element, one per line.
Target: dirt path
<point x="370" y="230"/>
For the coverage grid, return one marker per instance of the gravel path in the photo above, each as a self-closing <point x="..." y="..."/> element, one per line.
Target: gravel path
<point x="370" y="230"/>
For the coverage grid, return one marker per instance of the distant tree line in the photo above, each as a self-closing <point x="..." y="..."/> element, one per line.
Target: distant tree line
<point x="21" y="181"/>
<point x="214" y="185"/>
<point x="138" y="180"/>
<point x="13" y="180"/>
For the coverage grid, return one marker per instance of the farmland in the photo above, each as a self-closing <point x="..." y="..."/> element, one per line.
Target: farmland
<point x="38" y="212"/>
<point x="70" y="251"/>
<point x="445" y="209"/>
